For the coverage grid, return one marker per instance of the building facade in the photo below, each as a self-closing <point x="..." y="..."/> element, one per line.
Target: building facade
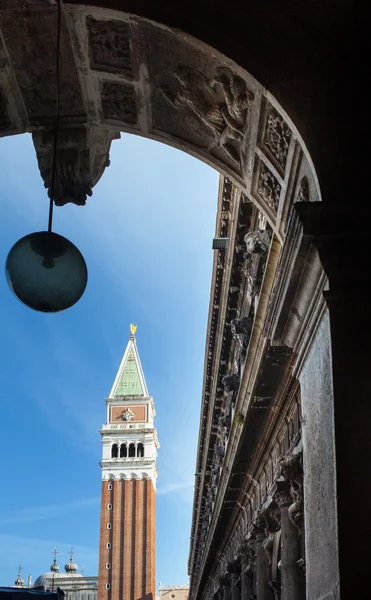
<point x="128" y="507"/>
<point x="263" y="516"/>
<point x="173" y="592"/>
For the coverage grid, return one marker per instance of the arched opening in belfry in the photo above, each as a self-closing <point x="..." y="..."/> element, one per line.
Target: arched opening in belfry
<point x="140" y="450"/>
<point x="114" y="451"/>
<point x="131" y="450"/>
<point x="123" y="451"/>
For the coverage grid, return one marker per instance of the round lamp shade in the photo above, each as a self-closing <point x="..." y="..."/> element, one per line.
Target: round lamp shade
<point x="46" y="271"/>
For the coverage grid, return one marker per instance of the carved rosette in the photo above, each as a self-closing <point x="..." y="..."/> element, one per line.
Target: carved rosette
<point x="268" y="187"/>
<point x="82" y="156"/>
<point x="277" y="136"/>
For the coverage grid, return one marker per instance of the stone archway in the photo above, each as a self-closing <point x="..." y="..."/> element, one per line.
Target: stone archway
<point x="122" y="73"/>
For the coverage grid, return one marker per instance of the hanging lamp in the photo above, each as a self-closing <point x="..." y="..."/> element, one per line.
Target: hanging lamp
<point x="45" y="270"/>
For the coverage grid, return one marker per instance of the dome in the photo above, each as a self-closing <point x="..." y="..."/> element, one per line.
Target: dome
<point x="54" y="568"/>
<point x="46" y="578"/>
<point x="71" y="568"/>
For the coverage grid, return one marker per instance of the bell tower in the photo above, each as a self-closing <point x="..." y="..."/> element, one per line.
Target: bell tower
<point x="128" y="505"/>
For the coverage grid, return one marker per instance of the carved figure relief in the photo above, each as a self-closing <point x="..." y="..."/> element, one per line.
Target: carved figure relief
<point x="221" y="103"/>
<point x="231" y="382"/>
<point x="268" y="187"/>
<point x="110" y="47"/>
<point x="119" y="102"/>
<point x="272" y="525"/>
<point x="277" y="136"/>
<point x="292" y="470"/>
<point x="303" y="190"/>
<point x="257" y="242"/>
<point x="242" y="326"/>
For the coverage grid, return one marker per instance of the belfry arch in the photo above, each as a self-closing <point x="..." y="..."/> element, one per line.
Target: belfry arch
<point x="167" y="73"/>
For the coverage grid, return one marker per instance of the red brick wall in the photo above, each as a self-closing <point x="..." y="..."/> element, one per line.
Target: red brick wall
<point x="132" y="556"/>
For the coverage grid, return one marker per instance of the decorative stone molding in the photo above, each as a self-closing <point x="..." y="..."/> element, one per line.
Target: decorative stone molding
<point x="110" y="47"/>
<point x="119" y="102"/>
<point x="277" y="136"/>
<point x="82" y="156"/>
<point x="268" y="187"/>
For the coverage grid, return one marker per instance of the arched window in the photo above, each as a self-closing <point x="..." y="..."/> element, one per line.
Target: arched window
<point x="132" y="451"/>
<point x="115" y="451"/>
<point x="140" y="450"/>
<point x="123" y="451"/>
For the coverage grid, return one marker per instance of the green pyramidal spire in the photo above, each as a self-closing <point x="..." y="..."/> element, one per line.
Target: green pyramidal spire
<point x="130" y="378"/>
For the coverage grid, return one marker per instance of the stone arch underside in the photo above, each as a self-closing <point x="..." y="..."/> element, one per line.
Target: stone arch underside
<point x="122" y="73"/>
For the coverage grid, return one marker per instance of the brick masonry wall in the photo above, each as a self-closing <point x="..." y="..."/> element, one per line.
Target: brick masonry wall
<point x="132" y="536"/>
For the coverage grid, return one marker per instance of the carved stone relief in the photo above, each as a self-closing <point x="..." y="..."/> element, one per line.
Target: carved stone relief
<point x="292" y="471"/>
<point x="277" y="136"/>
<point x="119" y="102"/>
<point x="221" y="103"/>
<point x="257" y="242"/>
<point x="303" y="191"/>
<point x="82" y="156"/>
<point x="268" y="187"/>
<point x="110" y="49"/>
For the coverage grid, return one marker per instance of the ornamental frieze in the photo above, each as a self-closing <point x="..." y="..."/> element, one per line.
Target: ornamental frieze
<point x="277" y="136"/>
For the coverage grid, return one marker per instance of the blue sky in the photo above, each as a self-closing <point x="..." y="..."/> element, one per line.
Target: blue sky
<point x="146" y="237"/>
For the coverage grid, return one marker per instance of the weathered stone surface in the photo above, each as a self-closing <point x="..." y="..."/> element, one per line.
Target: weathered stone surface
<point x="119" y="102"/>
<point x="268" y="187"/>
<point x="82" y="156"/>
<point x="110" y="48"/>
<point x="30" y="38"/>
<point x="303" y="190"/>
<point x="277" y="136"/>
<point x="321" y="539"/>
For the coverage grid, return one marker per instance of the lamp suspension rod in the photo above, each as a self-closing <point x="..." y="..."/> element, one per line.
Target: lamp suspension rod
<point x="56" y="131"/>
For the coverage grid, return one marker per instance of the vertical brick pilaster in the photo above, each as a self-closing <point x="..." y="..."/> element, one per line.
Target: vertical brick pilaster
<point x="128" y="528"/>
<point x="104" y="576"/>
<point x="116" y="540"/>
<point x="138" y="550"/>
